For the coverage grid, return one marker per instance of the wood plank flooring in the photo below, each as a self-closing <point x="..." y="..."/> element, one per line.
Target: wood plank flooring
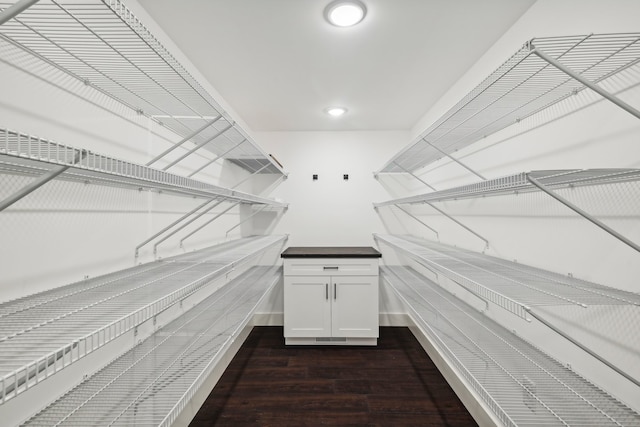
<point x="392" y="384"/>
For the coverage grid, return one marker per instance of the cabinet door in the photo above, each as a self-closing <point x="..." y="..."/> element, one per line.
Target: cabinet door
<point x="307" y="306"/>
<point x="354" y="306"/>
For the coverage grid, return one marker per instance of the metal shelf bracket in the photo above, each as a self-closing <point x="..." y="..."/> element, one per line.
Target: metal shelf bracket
<point x="155" y="246"/>
<point x="197" y="147"/>
<point x="39" y="182"/>
<point x="251" y="176"/>
<point x="417" y="219"/>
<point x="486" y="242"/>
<point x="185" y="139"/>
<point x="170" y="226"/>
<point x="415" y="176"/>
<point x="582" y="346"/>
<point x="208" y="222"/>
<point x="246" y="219"/>
<point x="15" y="10"/>
<point x="217" y="158"/>
<point x="583" y="214"/>
<point x="594" y="87"/>
<point x="455" y="160"/>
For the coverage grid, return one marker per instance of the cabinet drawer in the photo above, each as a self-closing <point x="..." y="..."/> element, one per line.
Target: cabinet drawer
<point x="331" y="266"/>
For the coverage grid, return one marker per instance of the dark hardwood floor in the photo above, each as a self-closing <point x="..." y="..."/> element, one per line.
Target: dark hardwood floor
<point x="393" y="384"/>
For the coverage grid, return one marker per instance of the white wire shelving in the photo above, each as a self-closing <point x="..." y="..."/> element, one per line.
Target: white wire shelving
<point x="150" y="384"/>
<point x="547" y="181"/>
<point x="31" y="155"/>
<point x="521" y="182"/>
<point x="102" y="44"/>
<point x="557" y="301"/>
<point x="542" y="73"/>
<point x="44" y="333"/>
<point x="519" y="383"/>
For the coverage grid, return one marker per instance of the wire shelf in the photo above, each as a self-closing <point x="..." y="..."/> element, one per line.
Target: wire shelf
<point x="44" y="333"/>
<point x="520" y="183"/>
<point x="524" y="85"/>
<point x="507" y="283"/>
<point x="607" y="316"/>
<point x="26" y="154"/>
<point x="102" y="44"/>
<point x="520" y="384"/>
<point x="152" y="383"/>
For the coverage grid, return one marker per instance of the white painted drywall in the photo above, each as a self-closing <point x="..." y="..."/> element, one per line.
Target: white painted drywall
<point x="331" y="211"/>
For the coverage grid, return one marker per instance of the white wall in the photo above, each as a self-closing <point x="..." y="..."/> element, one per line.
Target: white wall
<point x="331" y="211"/>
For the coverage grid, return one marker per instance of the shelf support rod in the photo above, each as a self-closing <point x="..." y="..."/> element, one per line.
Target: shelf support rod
<point x="197" y="147"/>
<point x="456" y="160"/>
<point x="594" y="87"/>
<point x="583" y="214"/>
<point x="217" y="158"/>
<point x="414" y="175"/>
<point x="170" y="225"/>
<point x="417" y="219"/>
<point x="39" y="182"/>
<point x="15" y="9"/>
<point x="583" y="347"/>
<point x="246" y="219"/>
<point x="486" y="242"/>
<point x="155" y="246"/>
<point x="254" y="173"/>
<point x="185" y="139"/>
<point x="208" y="222"/>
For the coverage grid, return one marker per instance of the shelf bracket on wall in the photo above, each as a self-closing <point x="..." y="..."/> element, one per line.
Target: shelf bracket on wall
<point x="207" y="210"/>
<point x="199" y="146"/>
<point x="594" y="87"/>
<point x="455" y="160"/>
<point x="583" y="213"/>
<point x="246" y="219"/>
<point x="251" y="176"/>
<point x="486" y="242"/>
<point x="16" y="9"/>
<point x="185" y="139"/>
<point x="168" y="227"/>
<point x="39" y="182"/>
<point x="217" y="157"/>
<point x="415" y="176"/>
<point x="417" y="219"/>
<point x="582" y="346"/>
<point x="208" y="222"/>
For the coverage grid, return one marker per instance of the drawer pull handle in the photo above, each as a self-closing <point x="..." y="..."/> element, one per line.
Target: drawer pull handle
<point x="326" y="291"/>
<point x="330" y="268"/>
<point x="335" y="291"/>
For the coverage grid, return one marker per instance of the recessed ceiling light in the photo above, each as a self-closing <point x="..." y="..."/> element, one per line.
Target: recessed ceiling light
<point x="335" y="111"/>
<point x="345" y="13"/>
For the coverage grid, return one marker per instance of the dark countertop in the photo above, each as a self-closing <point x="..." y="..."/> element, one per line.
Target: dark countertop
<point x="330" y="252"/>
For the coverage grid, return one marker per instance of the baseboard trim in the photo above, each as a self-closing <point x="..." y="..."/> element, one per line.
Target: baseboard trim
<point x="268" y="319"/>
<point x="469" y="398"/>
<point x="395" y="319"/>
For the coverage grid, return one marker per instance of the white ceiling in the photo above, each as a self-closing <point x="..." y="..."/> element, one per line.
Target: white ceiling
<point x="279" y="64"/>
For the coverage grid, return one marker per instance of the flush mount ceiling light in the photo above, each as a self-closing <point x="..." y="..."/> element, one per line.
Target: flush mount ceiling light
<point x="335" y="111"/>
<point x="345" y="13"/>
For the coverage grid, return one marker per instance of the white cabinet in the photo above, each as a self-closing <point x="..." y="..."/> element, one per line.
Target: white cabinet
<point x="331" y="300"/>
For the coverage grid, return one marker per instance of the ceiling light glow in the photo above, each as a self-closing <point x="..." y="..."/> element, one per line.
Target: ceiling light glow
<point x="335" y="111"/>
<point x="345" y="13"/>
